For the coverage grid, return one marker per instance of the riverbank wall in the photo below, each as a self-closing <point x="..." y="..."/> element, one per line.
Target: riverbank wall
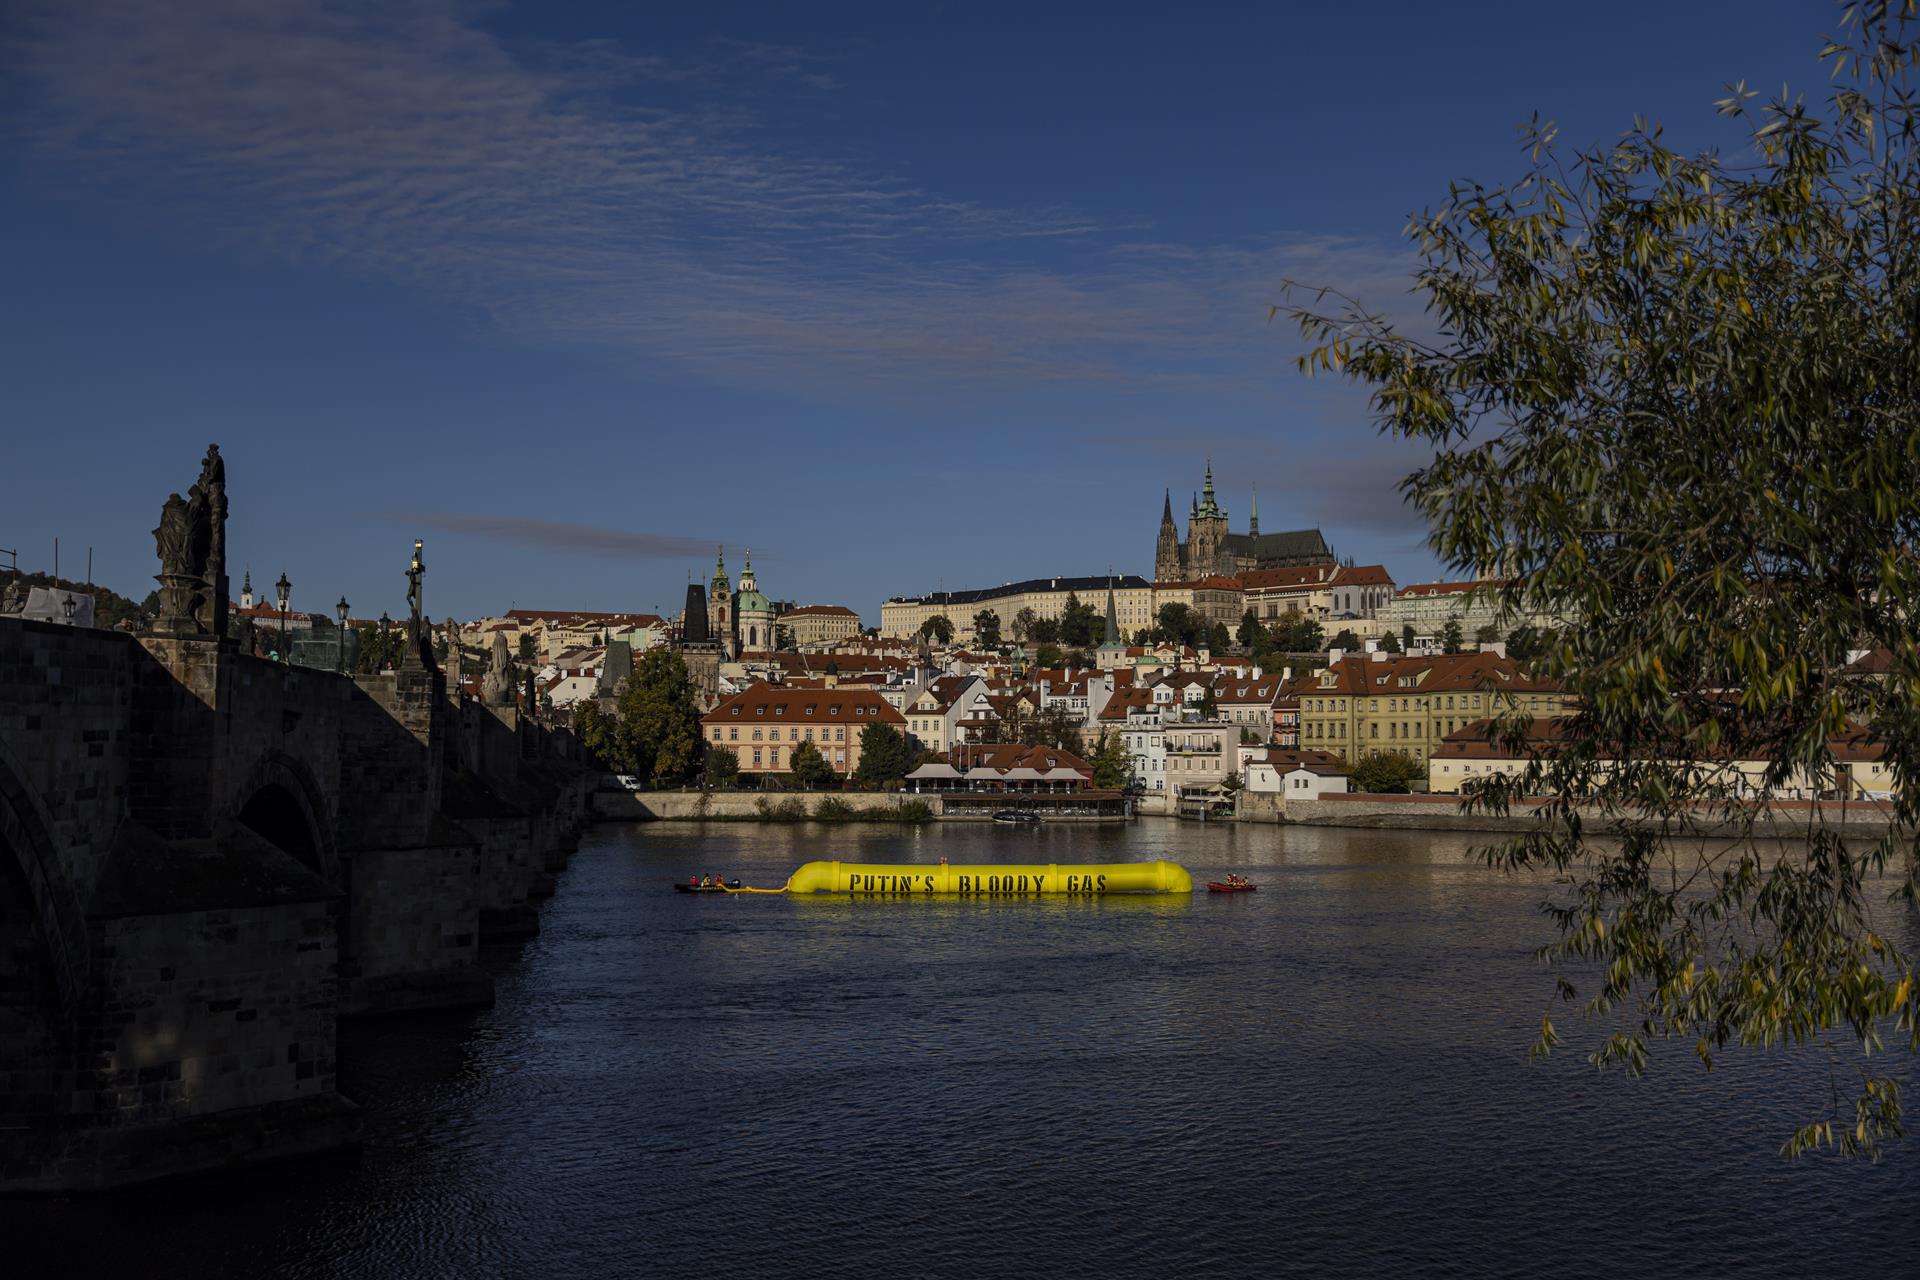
<point x="1784" y="818"/>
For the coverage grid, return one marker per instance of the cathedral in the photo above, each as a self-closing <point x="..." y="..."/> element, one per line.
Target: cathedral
<point x="1209" y="549"/>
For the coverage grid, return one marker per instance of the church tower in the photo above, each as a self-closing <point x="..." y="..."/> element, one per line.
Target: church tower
<point x="1166" y="551"/>
<point x="720" y="604"/>
<point x="1207" y="533"/>
<point x="753" y="612"/>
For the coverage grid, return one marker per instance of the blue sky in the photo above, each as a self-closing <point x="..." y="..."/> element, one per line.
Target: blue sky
<point x="901" y="296"/>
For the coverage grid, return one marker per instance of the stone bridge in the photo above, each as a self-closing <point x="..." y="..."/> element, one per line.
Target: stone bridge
<point x="207" y="859"/>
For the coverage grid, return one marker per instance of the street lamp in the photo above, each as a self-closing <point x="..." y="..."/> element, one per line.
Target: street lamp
<point x="283" y="590"/>
<point x="386" y="624"/>
<point x="68" y="605"/>
<point x="340" y="663"/>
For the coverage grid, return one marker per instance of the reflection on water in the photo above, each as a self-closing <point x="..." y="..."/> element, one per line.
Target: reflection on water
<point x="1326" y="1077"/>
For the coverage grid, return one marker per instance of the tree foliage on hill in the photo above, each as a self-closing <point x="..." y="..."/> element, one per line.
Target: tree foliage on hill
<point x="938" y="628"/>
<point x="1080" y="626"/>
<point x="1180" y="624"/>
<point x="1250" y="631"/>
<point x="986" y="627"/>
<point x="110" y="608"/>
<point x="1023" y="624"/>
<point x="1673" y="399"/>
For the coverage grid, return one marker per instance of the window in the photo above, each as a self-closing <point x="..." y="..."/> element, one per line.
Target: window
<point x="733" y="734"/>
<point x="756" y="755"/>
<point x="756" y="738"/>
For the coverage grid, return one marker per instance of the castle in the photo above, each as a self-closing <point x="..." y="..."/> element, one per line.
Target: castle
<point x="1210" y="549"/>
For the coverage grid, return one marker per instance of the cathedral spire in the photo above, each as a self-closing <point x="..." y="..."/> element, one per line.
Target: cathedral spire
<point x="1166" y="509"/>
<point x="1253" y="521"/>
<point x="1113" y="620"/>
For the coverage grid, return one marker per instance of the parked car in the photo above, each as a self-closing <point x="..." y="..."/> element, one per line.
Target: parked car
<point x="621" y="782"/>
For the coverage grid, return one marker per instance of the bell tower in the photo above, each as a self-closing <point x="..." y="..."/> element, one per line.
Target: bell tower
<point x="1166" y="550"/>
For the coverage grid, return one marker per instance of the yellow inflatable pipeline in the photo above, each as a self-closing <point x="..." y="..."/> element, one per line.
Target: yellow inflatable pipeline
<point x="992" y="878"/>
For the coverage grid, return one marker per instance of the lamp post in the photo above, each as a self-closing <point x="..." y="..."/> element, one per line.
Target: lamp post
<point x="283" y="591"/>
<point x="67" y="606"/>
<point x="386" y="624"/>
<point x="340" y="663"/>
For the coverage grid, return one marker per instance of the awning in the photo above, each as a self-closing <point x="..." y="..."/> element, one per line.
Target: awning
<point x="980" y="773"/>
<point x="1024" y="774"/>
<point x="930" y="772"/>
<point x="1063" y="774"/>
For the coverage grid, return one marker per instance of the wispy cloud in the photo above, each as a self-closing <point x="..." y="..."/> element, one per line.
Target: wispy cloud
<point x="560" y="535"/>
<point x="570" y="196"/>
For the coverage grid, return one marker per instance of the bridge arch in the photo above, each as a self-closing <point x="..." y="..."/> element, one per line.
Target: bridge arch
<point x="281" y="802"/>
<point x="30" y="868"/>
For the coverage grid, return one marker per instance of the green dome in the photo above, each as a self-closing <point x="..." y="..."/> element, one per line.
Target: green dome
<point x="752" y="602"/>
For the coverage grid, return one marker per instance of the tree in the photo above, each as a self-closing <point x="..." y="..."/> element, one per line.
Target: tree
<point x="1450" y="636"/>
<point x="1049" y="655"/>
<point x="1250" y="632"/>
<point x="1044" y="631"/>
<point x="938" y="628"/>
<point x="528" y="648"/>
<point x="884" y="757"/>
<point x="1385" y="771"/>
<point x="596" y="733"/>
<point x="783" y="638"/>
<point x="810" y="769"/>
<point x="1177" y="623"/>
<point x="1023" y="624"/>
<point x="379" y="649"/>
<point x="986" y="628"/>
<point x="1112" y="766"/>
<point x="1294" y="632"/>
<point x="659" y="729"/>
<point x="1526" y="642"/>
<point x="1143" y="637"/>
<point x="1406" y="637"/>
<point x="1390" y="643"/>
<point x="723" y="766"/>
<point x="1487" y="633"/>
<point x="1670" y="401"/>
<point x="1346" y="640"/>
<point x="1080" y="626"/>
<point x="1219" y="639"/>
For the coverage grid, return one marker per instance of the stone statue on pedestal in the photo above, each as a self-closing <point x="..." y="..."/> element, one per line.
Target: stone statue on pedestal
<point x="191" y="542"/>
<point x="496" y="687"/>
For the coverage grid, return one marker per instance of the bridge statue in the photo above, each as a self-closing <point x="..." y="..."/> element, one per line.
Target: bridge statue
<point x="191" y="542"/>
<point x="456" y="659"/>
<point x="496" y="687"/>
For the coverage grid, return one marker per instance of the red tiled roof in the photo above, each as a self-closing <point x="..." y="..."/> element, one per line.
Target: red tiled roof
<point x="786" y="703"/>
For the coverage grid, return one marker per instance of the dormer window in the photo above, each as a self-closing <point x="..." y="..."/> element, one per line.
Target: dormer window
<point x="760" y="711"/>
<point x="809" y="708"/>
<point x="736" y="711"/>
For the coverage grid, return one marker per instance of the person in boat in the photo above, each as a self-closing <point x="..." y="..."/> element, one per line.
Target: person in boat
<point x="706" y="882"/>
<point x="693" y="882"/>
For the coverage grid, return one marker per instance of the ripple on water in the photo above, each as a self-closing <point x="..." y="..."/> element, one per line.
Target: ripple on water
<point x="1325" y="1078"/>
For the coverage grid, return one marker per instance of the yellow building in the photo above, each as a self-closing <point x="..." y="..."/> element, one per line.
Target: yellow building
<point x="819" y="624"/>
<point x="1366" y="705"/>
<point x="764" y="724"/>
<point x="1133" y="604"/>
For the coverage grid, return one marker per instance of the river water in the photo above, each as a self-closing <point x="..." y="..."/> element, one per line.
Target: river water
<point x="1327" y="1077"/>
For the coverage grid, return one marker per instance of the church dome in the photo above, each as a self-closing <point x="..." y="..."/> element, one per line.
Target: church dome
<point x="752" y="602"/>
